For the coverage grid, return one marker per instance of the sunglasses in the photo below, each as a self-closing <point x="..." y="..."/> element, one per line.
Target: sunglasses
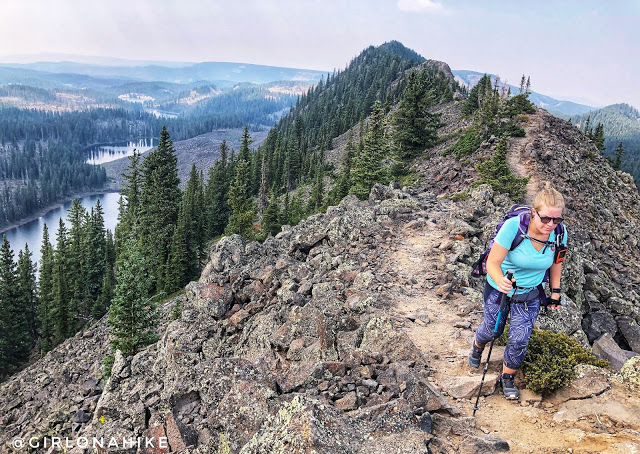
<point x="547" y="219"/>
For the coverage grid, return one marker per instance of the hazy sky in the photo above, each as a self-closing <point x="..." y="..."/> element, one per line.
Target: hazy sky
<point x="580" y="50"/>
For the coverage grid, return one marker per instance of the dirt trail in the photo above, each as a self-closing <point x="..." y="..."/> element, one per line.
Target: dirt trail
<point x="517" y="146"/>
<point x="442" y="327"/>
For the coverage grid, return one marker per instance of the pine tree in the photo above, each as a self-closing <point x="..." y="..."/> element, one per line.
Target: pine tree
<point x="477" y="95"/>
<point x="242" y="208"/>
<point x="284" y="216"/>
<point x="262" y="193"/>
<point x="216" y="195"/>
<point x="270" y="223"/>
<point x="76" y="261"/>
<point x="201" y="228"/>
<point x="132" y="315"/>
<point x="95" y="255"/>
<point x="28" y="292"/>
<point x="14" y="330"/>
<point x="108" y="280"/>
<point x="45" y="308"/>
<point x="587" y="129"/>
<point x="295" y="210"/>
<point x="64" y="325"/>
<point x="367" y="167"/>
<point x="130" y="205"/>
<point x="343" y="182"/>
<point x="598" y="137"/>
<point x="160" y="201"/>
<point x="317" y="192"/>
<point x="185" y="246"/>
<point x="415" y="126"/>
<point x="245" y="142"/>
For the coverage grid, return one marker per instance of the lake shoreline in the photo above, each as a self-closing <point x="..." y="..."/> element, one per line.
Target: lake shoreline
<point x="43" y="211"/>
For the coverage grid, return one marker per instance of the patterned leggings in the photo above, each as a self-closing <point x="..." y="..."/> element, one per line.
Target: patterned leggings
<point x="523" y="317"/>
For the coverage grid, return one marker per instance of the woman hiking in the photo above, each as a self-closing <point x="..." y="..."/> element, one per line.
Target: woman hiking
<point x="529" y="261"/>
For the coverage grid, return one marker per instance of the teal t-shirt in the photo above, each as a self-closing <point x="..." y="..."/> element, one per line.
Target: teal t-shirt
<point x="528" y="265"/>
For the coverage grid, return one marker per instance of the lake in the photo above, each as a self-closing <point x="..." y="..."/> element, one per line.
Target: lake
<point x="31" y="232"/>
<point x="107" y="153"/>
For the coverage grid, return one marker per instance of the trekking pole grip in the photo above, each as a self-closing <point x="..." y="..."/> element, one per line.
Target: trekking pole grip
<point x="503" y="305"/>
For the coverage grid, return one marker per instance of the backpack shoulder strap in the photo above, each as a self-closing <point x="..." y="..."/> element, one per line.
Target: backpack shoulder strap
<point x="559" y="232"/>
<point x="523" y="226"/>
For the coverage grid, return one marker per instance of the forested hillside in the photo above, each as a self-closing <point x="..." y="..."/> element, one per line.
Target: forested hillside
<point x="621" y="126"/>
<point x="162" y="235"/>
<point x="44" y="153"/>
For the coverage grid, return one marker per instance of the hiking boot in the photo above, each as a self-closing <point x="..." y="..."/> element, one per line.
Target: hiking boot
<point x="509" y="388"/>
<point x="475" y="355"/>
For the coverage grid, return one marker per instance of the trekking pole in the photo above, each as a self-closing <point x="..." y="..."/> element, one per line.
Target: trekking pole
<point x="501" y="311"/>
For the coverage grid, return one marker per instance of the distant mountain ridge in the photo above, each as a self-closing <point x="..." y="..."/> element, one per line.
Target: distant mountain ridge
<point x="470" y="78"/>
<point x="209" y="71"/>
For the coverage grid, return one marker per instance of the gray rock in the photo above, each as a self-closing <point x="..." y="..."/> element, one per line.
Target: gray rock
<point x="348" y="402"/>
<point x="227" y="253"/>
<point x="210" y="299"/>
<point x="426" y="423"/>
<point x="379" y="192"/>
<point x="596" y="324"/>
<point x="483" y="445"/>
<point x="464" y="387"/>
<point x="631" y="332"/>
<point x="606" y="348"/>
<point x="590" y="381"/>
<point x="81" y="417"/>
<point x="566" y="319"/>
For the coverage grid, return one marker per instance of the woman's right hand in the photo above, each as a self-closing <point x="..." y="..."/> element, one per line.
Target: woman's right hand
<point x="505" y="285"/>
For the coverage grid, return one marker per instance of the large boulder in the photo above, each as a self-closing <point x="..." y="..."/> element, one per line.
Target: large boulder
<point x="630" y="329"/>
<point x="209" y="300"/>
<point x="606" y="348"/>
<point x="597" y="323"/>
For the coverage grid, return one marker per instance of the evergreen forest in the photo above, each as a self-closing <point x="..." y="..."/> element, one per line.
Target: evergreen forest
<point x="615" y="131"/>
<point x="43" y="154"/>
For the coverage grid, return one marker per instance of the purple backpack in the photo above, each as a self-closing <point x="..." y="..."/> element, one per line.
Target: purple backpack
<point x="479" y="268"/>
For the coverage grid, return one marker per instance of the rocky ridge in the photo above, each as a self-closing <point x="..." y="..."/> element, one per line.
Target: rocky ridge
<point x="602" y="272"/>
<point x="300" y="344"/>
<point x="349" y="332"/>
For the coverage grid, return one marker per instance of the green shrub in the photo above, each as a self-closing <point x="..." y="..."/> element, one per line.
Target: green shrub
<point x="176" y="310"/>
<point x="551" y="358"/>
<point x="460" y="196"/>
<point x="412" y="178"/>
<point x="514" y="130"/>
<point x="495" y="171"/>
<point x="467" y="143"/>
<point x="519" y="104"/>
<point x="521" y="119"/>
<point x="107" y="364"/>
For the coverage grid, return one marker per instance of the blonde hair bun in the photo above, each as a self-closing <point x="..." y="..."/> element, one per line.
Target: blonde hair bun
<point x="548" y="197"/>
